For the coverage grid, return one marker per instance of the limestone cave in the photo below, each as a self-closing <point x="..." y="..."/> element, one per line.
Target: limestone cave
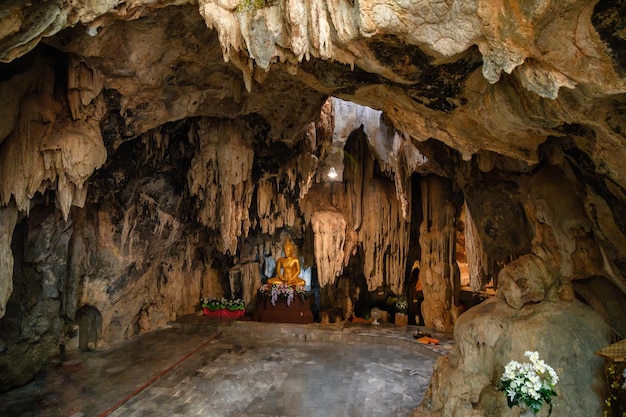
<point x="155" y="152"/>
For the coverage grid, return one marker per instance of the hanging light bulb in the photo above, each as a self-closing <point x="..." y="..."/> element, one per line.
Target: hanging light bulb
<point x="332" y="173"/>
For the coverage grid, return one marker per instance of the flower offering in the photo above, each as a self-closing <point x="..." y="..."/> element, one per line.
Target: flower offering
<point x="530" y="383"/>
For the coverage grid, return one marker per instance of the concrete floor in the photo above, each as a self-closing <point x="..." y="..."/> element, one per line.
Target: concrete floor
<point x="207" y="367"/>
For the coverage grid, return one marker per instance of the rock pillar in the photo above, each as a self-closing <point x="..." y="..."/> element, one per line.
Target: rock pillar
<point x="439" y="273"/>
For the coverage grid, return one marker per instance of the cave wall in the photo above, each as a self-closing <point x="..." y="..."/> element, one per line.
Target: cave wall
<point x="32" y="325"/>
<point x="116" y="113"/>
<point x="539" y="218"/>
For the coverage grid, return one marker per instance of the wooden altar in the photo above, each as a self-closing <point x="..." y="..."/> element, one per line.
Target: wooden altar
<point x="299" y="312"/>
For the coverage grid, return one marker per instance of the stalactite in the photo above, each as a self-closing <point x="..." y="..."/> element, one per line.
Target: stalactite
<point x="203" y="183"/>
<point x="220" y="176"/>
<point x="329" y="229"/>
<point x="264" y="194"/>
<point x="166" y="220"/>
<point x="383" y="230"/>
<point x="397" y="157"/>
<point x="306" y="167"/>
<point x="48" y="150"/>
<point x="8" y="218"/>
<point x="438" y="268"/>
<point x="265" y="38"/>
<point x="235" y="168"/>
<point x="84" y="84"/>
<point x="477" y="259"/>
<point x="275" y="209"/>
<point x="128" y="227"/>
<point x="393" y="150"/>
<point x="45" y="151"/>
<point x="356" y="163"/>
<point x="156" y="144"/>
<point x="404" y="159"/>
<point x="384" y="237"/>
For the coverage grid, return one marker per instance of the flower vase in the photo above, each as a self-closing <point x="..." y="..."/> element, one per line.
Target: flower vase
<point x="525" y="411"/>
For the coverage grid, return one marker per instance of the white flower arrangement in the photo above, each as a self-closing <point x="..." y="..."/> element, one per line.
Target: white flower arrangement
<point x="532" y="383"/>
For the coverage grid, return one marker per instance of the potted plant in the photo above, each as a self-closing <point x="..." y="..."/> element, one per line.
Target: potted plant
<point x="235" y="304"/>
<point x="223" y="307"/>
<point x="206" y="304"/>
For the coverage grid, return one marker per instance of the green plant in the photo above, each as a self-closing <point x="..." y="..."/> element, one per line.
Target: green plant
<point x="235" y="304"/>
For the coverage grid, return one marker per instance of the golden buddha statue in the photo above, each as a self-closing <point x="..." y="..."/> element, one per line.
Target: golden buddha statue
<point x="287" y="268"/>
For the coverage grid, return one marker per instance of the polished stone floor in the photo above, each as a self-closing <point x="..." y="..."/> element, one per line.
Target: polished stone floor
<point x="202" y="367"/>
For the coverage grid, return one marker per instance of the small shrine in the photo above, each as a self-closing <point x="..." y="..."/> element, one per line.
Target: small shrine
<point x="281" y="303"/>
<point x="284" y="298"/>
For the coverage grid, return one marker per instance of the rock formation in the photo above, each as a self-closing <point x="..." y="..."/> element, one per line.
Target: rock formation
<point x="155" y="152"/>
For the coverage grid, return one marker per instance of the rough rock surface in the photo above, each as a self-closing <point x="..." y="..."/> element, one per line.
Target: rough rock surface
<point x="492" y="334"/>
<point x="149" y="150"/>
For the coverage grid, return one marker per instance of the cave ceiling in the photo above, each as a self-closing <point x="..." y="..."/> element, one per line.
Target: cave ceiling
<point x="478" y="76"/>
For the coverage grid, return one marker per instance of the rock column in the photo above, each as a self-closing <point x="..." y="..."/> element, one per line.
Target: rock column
<point x="439" y="273"/>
